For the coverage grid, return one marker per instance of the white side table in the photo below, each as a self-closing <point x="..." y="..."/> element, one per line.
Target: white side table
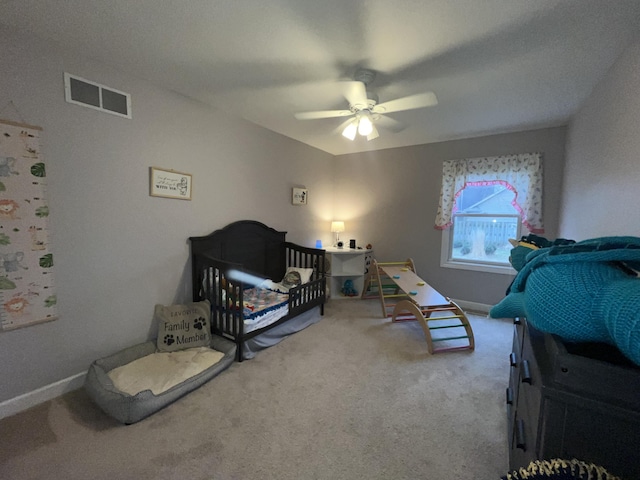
<point x="346" y="264"/>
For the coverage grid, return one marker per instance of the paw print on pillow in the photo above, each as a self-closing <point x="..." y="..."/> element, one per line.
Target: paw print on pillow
<point x="199" y="323"/>
<point x="169" y="340"/>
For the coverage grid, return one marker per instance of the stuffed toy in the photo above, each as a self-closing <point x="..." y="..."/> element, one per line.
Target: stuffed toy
<point x="585" y="291"/>
<point x="348" y="289"/>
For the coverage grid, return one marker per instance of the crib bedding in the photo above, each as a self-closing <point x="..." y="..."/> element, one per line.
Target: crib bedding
<point x="261" y="304"/>
<point x="261" y="307"/>
<point x="265" y="319"/>
<point x="275" y="335"/>
<point x="259" y="301"/>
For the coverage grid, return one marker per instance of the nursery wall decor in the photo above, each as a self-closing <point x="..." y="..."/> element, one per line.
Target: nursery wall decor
<point x="27" y="294"/>
<point x="299" y="196"/>
<point x="169" y="184"/>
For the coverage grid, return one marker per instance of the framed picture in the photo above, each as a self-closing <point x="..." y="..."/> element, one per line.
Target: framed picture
<point x="169" y="184"/>
<point x="299" y="196"/>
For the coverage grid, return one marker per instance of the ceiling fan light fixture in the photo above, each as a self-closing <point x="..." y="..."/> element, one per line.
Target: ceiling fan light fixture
<point x="365" y="125"/>
<point x="374" y="133"/>
<point x="350" y="130"/>
<point x="364" y="106"/>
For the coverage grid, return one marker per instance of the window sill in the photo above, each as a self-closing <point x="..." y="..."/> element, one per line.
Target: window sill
<point x="480" y="267"/>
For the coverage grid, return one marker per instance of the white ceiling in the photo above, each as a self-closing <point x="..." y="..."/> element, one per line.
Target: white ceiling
<point x="495" y="65"/>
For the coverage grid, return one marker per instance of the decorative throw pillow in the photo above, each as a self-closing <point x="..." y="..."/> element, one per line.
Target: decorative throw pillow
<point x="183" y="326"/>
<point x="305" y="273"/>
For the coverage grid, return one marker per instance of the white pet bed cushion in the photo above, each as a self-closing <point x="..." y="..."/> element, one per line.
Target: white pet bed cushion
<point x="161" y="371"/>
<point x="129" y="408"/>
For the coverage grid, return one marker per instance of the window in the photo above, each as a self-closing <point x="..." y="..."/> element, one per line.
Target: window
<point x="484" y="222"/>
<point x="485" y="202"/>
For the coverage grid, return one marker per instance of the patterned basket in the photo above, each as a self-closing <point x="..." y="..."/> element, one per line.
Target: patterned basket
<point x="559" y="469"/>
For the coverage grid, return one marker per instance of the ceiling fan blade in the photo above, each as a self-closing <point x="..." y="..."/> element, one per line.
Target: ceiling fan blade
<point x="322" y="114"/>
<point x="355" y="93"/>
<point x="389" y="124"/>
<point x="419" y="100"/>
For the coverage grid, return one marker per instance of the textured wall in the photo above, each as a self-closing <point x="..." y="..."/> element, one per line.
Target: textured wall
<point x="603" y="157"/>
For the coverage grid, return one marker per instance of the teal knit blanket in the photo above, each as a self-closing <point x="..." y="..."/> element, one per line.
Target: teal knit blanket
<point x="585" y="291"/>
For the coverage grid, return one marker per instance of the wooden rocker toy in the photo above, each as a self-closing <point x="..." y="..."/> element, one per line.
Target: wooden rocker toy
<point x="416" y="300"/>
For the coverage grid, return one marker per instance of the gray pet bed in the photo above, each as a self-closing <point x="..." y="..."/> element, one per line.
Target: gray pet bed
<point x="133" y="408"/>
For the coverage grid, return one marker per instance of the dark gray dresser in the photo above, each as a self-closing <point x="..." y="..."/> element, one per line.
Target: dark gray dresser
<point x="572" y="400"/>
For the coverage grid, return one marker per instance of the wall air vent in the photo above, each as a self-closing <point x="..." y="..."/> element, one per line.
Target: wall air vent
<point x="93" y="95"/>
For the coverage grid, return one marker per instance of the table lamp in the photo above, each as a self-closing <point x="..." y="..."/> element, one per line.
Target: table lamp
<point x="337" y="228"/>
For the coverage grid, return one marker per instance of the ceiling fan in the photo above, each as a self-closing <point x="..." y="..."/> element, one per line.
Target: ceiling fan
<point x="365" y="109"/>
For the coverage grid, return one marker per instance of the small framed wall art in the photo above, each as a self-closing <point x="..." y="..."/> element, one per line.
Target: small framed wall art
<point x="299" y="196"/>
<point x="169" y="184"/>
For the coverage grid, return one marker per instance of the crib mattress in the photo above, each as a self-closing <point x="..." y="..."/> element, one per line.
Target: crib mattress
<point x="128" y="408"/>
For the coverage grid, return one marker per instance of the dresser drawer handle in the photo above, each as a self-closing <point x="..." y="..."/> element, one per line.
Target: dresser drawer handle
<point x="526" y="372"/>
<point x="520" y="438"/>
<point x="509" y="396"/>
<point x="513" y="359"/>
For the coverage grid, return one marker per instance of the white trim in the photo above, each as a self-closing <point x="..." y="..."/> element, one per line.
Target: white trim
<point x="477" y="267"/>
<point x="446" y="262"/>
<point x="473" y="306"/>
<point x="40" y="395"/>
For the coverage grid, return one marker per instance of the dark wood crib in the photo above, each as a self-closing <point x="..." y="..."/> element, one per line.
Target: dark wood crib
<point x="238" y="256"/>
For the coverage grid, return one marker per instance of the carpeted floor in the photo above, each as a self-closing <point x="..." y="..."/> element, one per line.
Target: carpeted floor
<point x="351" y="397"/>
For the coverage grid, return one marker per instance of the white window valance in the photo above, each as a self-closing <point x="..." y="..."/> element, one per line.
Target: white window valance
<point x="521" y="173"/>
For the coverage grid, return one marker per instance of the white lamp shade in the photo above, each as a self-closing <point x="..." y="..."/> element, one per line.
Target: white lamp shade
<point x="374" y="133"/>
<point x="365" y="125"/>
<point x="350" y="131"/>
<point x="337" y="227"/>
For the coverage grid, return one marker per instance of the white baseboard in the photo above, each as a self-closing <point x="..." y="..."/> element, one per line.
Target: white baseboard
<point x="473" y="306"/>
<point x="36" y="397"/>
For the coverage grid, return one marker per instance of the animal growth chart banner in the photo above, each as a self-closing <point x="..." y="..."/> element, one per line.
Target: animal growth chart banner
<point x="27" y="295"/>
